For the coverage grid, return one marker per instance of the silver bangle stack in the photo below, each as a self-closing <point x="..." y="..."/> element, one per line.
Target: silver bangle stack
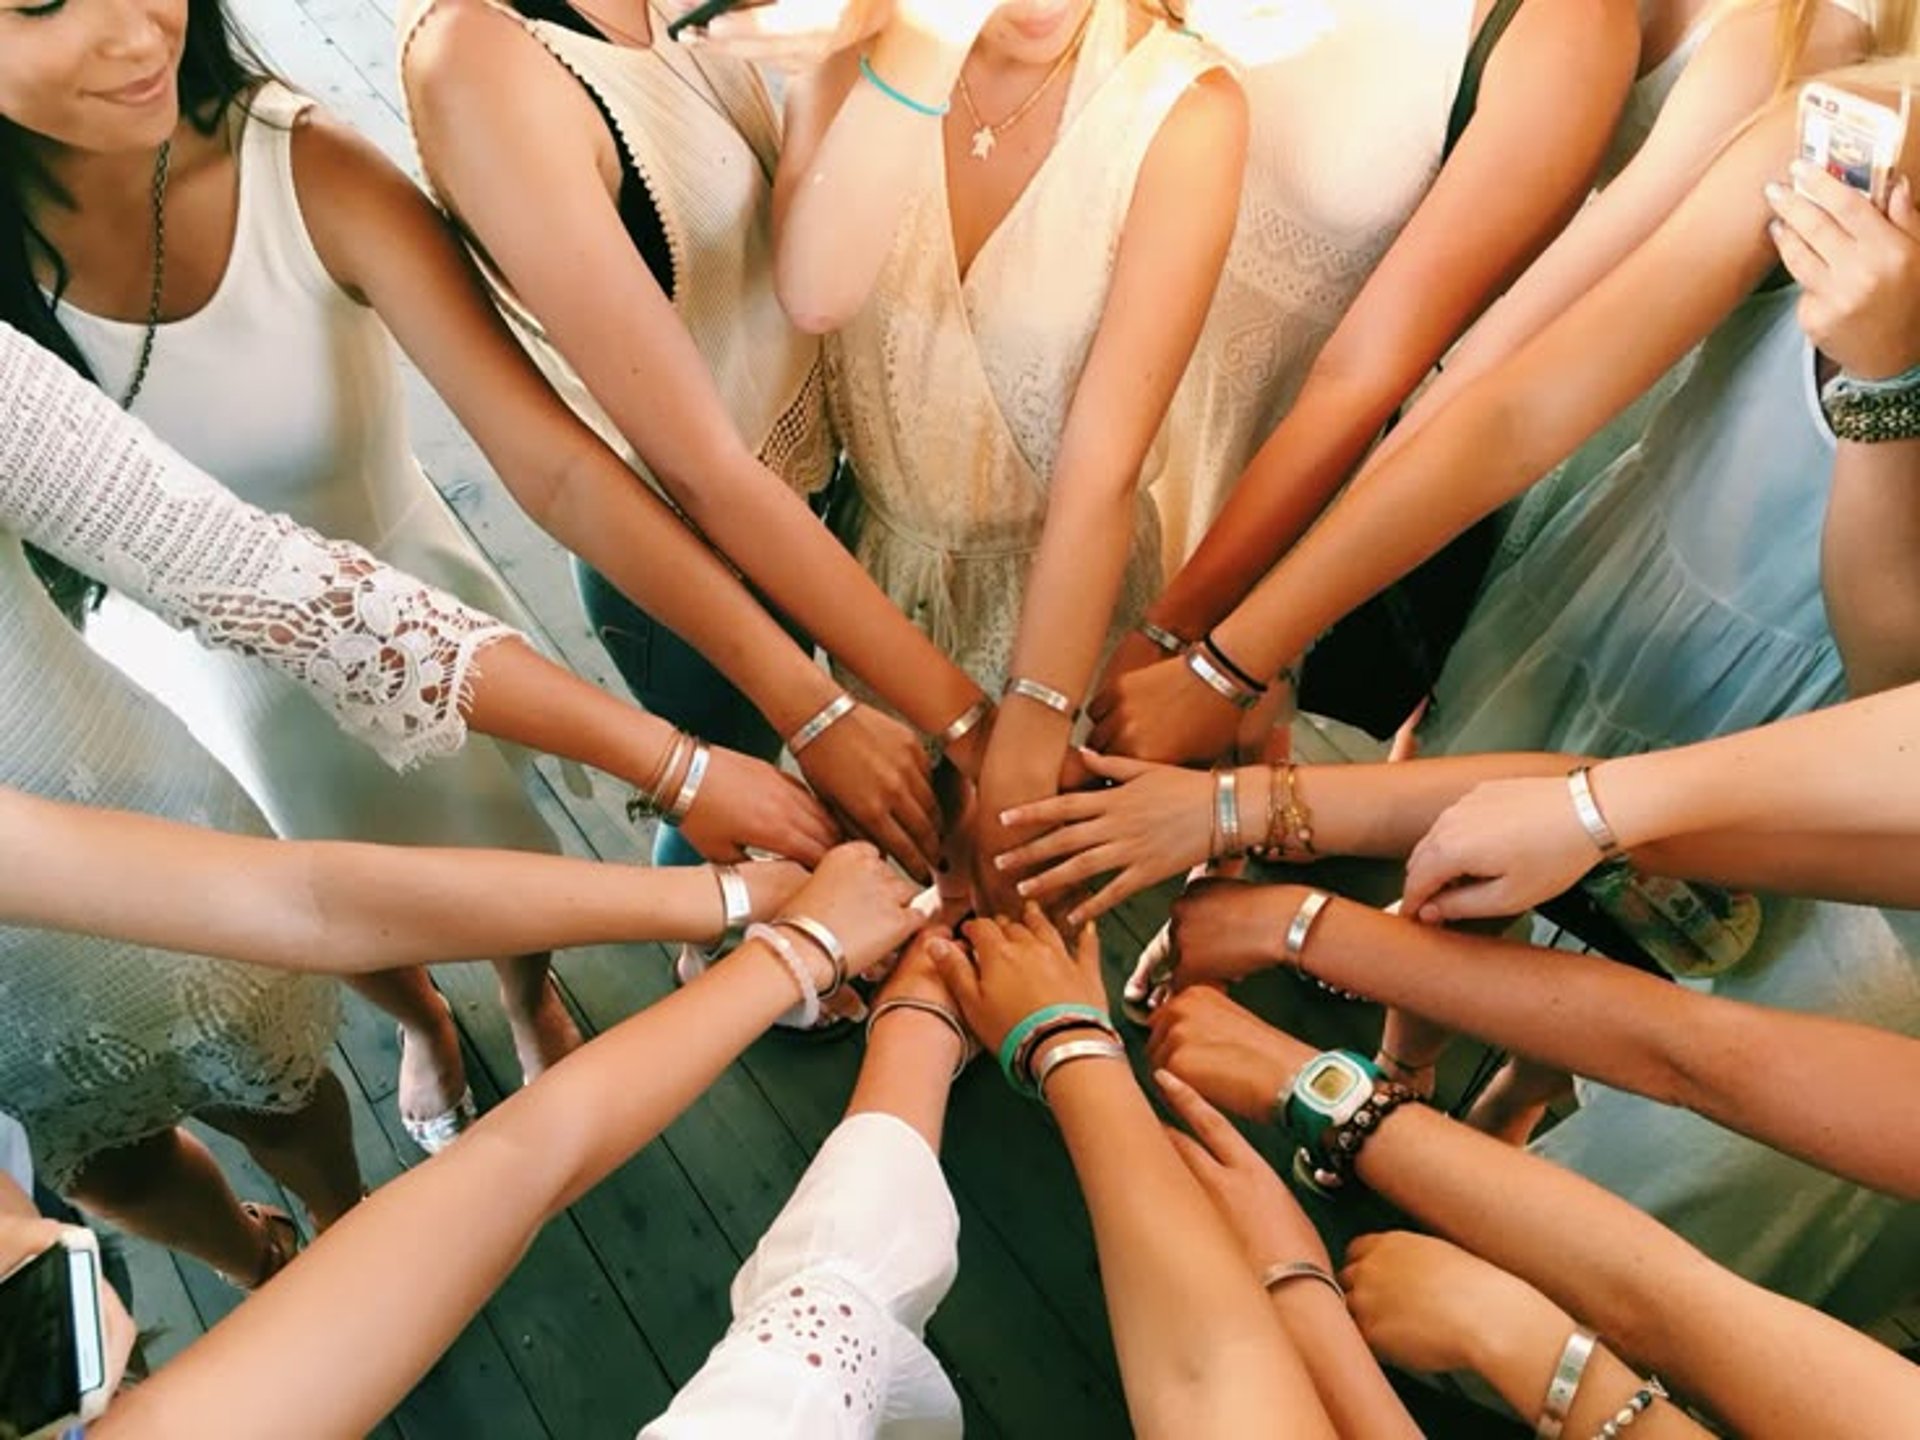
<point x="648" y="801"/>
<point x="940" y="1012"/>
<point x="829" y="942"/>
<point x="1057" y="701"/>
<point x="834" y="711"/>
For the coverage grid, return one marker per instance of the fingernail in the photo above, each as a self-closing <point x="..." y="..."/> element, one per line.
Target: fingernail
<point x="1773" y="191"/>
<point x="1006" y="816"/>
<point x="1799" y="169"/>
<point x="1025" y="887"/>
<point x="999" y="862"/>
<point x="1164" y="1079"/>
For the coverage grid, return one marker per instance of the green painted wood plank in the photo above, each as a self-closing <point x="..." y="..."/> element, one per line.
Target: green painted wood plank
<point x="163" y="1310"/>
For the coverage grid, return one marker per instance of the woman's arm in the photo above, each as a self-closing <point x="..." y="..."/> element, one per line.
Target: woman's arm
<point x="1274" y="1232"/>
<point x="1201" y="1354"/>
<point x="1549" y="103"/>
<point x="1732" y="75"/>
<point x="1498" y="436"/>
<point x="1178" y="227"/>
<point x="1750" y="1068"/>
<point x="382" y="240"/>
<point x="1746" y="1353"/>
<point x="573" y="265"/>
<point x="1427" y="1305"/>
<point x="338" y="908"/>
<point x="91" y="485"/>
<point x="345" y="1331"/>
<point x="853" y="153"/>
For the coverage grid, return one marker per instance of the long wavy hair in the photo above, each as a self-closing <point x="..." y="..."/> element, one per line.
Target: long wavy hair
<point x="218" y="69"/>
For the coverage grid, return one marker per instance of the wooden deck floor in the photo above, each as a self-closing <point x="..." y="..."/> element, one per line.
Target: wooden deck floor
<point x="619" y="1300"/>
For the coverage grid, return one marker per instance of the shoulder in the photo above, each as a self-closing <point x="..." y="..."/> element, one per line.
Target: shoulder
<point x="332" y="161"/>
<point x="1212" y="112"/>
<point x="1568" y="32"/>
<point x="462" y="52"/>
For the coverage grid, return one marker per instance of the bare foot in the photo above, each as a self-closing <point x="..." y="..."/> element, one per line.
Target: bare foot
<point x="546" y="1037"/>
<point x="433" y="1076"/>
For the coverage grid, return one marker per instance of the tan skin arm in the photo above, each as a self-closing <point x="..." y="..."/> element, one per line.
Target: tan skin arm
<point x="1743" y="1351"/>
<point x="1521" y="168"/>
<point x="1499" y="436"/>
<point x="1747" y="1067"/>
<point x="1731" y="76"/>
<point x="1201" y="1354"/>
<point x="332" y="908"/>
<point x="572" y="263"/>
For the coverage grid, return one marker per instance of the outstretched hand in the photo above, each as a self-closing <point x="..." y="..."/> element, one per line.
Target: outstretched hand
<point x="1010" y="968"/>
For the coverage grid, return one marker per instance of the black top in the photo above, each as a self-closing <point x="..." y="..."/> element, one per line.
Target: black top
<point x="637" y="211"/>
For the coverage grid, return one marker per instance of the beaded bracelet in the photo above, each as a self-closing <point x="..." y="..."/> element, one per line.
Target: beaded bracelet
<point x="1328" y="1167"/>
<point x="788" y="955"/>
<point x="829" y="942"/>
<point x="1869" y="412"/>
<point x="1624" y="1417"/>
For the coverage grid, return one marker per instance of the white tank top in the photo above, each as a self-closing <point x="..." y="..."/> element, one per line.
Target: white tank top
<point x="312" y="411"/>
<point x="1346" y="139"/>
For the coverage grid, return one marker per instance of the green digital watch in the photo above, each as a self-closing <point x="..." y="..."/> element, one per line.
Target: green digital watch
<point x="1328" y="1091"/>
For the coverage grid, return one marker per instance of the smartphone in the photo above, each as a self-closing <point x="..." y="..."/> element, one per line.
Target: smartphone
<point x="1859" y="142"/>
<point x="704" y="14"/>
<point x="53" y="1341"/>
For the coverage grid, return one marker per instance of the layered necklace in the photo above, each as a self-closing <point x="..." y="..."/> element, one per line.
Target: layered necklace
<point x="986" y="135"/>
<point x="162" y="163"/>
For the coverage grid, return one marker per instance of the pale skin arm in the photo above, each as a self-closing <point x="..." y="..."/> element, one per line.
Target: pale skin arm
<point x="853" y="154"/>
<point x="337" y="908"/>
<point x="1747" y="1067"/>
<point x="1742" y="1350"/>
<point x="1498" y="436"/>
<point x="1201" y="1353"/>
<point x="361" y="1303"/>
<point x="1521" y="168"/>
<point x="1729" y="77"/>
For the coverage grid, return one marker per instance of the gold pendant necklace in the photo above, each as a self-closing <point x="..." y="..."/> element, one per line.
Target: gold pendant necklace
<point x="986" y="136"/>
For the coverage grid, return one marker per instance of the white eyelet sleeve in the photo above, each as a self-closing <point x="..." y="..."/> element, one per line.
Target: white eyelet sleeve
<point x="390" y="656"/>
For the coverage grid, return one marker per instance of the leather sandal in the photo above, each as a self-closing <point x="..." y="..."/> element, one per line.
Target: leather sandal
<point x="282" y="1244"/>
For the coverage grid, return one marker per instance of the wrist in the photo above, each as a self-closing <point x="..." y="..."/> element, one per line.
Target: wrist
<point x="804" y="690"/>
<point x="1514" y="1343"/>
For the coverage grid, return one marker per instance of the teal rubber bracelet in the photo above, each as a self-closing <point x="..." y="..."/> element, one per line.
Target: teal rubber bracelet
<point x="1016" y="1037"/>
<point x="900" y="97"/>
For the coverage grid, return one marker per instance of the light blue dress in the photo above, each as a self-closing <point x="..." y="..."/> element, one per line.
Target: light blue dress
<point x="1672" y="596"/>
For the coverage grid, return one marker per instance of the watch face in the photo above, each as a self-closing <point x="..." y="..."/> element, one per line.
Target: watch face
<point x="1329" y="1082"/>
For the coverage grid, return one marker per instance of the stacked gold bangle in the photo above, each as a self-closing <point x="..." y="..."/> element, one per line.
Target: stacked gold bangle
<point x="1289" y="821"/>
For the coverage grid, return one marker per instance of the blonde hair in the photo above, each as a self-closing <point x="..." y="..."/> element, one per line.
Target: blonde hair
<point x="1893" y="25"/>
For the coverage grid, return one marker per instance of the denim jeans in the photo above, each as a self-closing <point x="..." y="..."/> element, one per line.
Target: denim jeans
<point x="674" y="681"/>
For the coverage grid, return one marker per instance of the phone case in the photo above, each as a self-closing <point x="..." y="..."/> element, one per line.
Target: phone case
<point x="1859" y="141"/>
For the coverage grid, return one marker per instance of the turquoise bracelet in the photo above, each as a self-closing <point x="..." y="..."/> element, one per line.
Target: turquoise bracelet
<point x="900" y="97"/>
<point x="1019" y="1034"/>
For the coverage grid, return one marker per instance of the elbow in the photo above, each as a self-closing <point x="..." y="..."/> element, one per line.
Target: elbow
<point x="819" y="298"/>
